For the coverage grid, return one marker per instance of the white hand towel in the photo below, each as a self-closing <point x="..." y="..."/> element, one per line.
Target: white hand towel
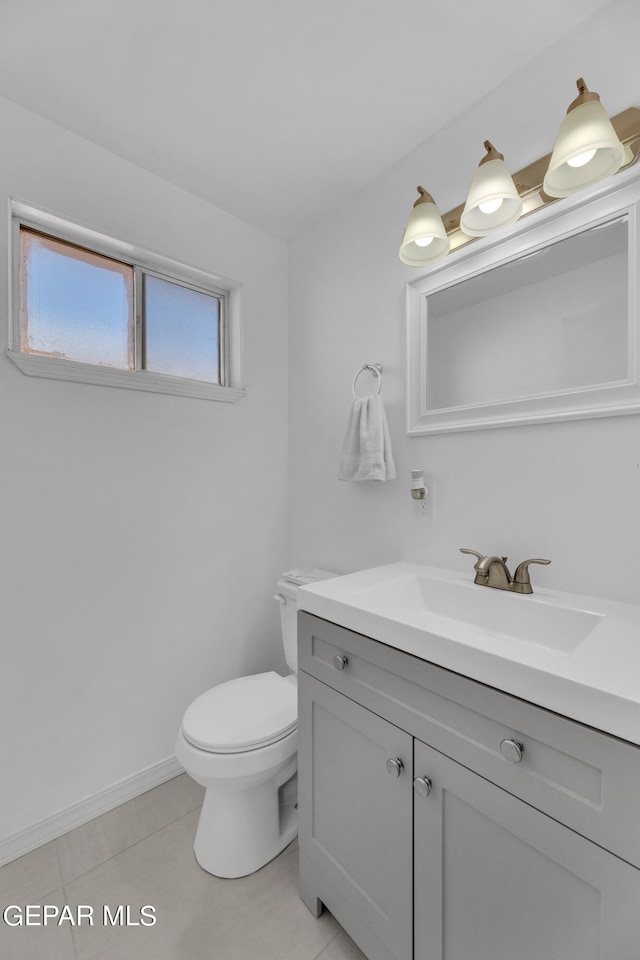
<point x="366" y="451"/>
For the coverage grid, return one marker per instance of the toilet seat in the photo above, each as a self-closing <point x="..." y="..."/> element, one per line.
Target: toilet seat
<point x="243" y="714"/>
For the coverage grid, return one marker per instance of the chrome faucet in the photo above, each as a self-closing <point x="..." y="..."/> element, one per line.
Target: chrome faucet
<point x="493" y="572"/>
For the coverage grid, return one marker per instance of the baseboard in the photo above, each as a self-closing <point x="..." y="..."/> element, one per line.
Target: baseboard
<point x="74" y="816"/>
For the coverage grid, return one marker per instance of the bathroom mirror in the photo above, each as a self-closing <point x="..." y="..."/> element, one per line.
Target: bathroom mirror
<point x="538" y="325"/>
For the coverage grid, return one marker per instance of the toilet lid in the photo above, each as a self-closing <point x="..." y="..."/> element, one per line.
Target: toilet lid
<point x="242" y="714"/>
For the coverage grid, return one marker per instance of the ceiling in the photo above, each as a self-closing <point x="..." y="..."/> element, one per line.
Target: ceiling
<point x="274" y="110"/>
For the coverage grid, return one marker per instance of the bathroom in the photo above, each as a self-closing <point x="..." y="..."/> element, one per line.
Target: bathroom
<point x="144" y="533"/>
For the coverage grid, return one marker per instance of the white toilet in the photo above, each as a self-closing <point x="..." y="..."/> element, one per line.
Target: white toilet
<point x="240" y="741"/>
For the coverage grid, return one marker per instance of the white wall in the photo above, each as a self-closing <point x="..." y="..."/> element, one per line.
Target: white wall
<point x="567" y="491"/>
<point x="141" y="534"/>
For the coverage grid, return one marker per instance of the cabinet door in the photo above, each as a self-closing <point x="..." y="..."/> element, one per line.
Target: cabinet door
<point x="496" y="879"/>
<point x="355" y="817"/>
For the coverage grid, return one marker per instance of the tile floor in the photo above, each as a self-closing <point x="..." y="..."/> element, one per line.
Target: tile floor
<point x="142" y="854"/>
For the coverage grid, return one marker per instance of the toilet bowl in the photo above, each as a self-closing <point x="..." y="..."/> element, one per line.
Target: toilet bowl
<point x="239" y="740"/>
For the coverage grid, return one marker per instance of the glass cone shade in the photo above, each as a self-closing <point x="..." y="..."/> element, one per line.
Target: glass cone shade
<point x="586" y="128"/>
<point x="493" y="201"/>
<point x="425" y="240"/>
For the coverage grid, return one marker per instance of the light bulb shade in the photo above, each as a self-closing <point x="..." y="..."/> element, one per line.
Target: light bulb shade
<point x="587" y="127"/>
<point x="493" y="201"/>
<point x="425" y="240"/>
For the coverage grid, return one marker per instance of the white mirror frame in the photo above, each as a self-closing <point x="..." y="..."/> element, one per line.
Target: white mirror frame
<point x="620" y="197"/>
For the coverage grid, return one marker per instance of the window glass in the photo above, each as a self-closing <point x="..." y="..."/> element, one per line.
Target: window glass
<point x="181" y="330"/>
<point x="74" y="304"/>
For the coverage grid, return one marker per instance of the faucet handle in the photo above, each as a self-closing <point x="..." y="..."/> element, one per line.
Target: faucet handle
<point x="521" y="579"/>
<point x="475" y="553"/>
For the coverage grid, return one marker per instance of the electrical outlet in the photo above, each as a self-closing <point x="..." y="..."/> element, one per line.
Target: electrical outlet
<point x="421" y="507"/>
<point x="424" y="508"/>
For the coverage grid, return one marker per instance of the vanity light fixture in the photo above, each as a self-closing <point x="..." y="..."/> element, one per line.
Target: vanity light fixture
<point x="590" y="147"/>
<point x="587" y="148"/>
<point x="425" y="240"/>
<point x="493" y="201"/>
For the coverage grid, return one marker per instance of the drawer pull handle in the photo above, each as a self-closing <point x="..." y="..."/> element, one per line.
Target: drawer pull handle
<point x="422" y="786"/>
<point x="340" y="662"/>
<point x="512" y="750"/>
<point x="395" y="766"/>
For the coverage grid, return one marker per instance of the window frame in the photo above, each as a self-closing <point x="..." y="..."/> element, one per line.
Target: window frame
<point x="228" y="293"/>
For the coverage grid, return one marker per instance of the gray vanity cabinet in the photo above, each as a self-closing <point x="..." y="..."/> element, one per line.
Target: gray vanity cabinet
<point x="410" y="829"/>
<point x="496" y="879"/>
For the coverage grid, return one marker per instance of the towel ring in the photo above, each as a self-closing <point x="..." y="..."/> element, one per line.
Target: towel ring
<point x="372" y="368"/>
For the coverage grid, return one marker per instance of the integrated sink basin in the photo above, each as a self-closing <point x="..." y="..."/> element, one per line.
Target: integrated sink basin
<point x="576" y="655"/>
<point x="419" y="598"/>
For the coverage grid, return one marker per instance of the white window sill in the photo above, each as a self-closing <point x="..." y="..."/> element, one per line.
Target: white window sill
<point x="52" y="368"/>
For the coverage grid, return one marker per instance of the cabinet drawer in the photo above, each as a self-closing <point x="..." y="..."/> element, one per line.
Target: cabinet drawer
<point x="581" y="777"/>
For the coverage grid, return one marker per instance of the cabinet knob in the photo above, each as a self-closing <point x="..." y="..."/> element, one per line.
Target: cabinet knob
<point x="512" y="750"/>
<point x="395" y="766"/>
<point x="422" y="786"/>
<point x="340" y="662"/>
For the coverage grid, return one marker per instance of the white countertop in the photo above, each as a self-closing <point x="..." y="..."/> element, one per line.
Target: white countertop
<point x="594" y="680"/>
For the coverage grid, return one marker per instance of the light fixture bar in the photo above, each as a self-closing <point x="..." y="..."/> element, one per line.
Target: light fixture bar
<point x="529" y="180"/>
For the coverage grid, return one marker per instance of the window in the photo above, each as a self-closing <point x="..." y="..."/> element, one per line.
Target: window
<point x="90" y="308"/>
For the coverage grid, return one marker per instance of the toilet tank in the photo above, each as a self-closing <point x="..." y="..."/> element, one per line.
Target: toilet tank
<point x="287" y="595"/>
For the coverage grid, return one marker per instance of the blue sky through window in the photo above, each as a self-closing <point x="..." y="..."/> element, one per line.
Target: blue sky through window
<point x="181" y="330"/>
<point x="79" y="305"/>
